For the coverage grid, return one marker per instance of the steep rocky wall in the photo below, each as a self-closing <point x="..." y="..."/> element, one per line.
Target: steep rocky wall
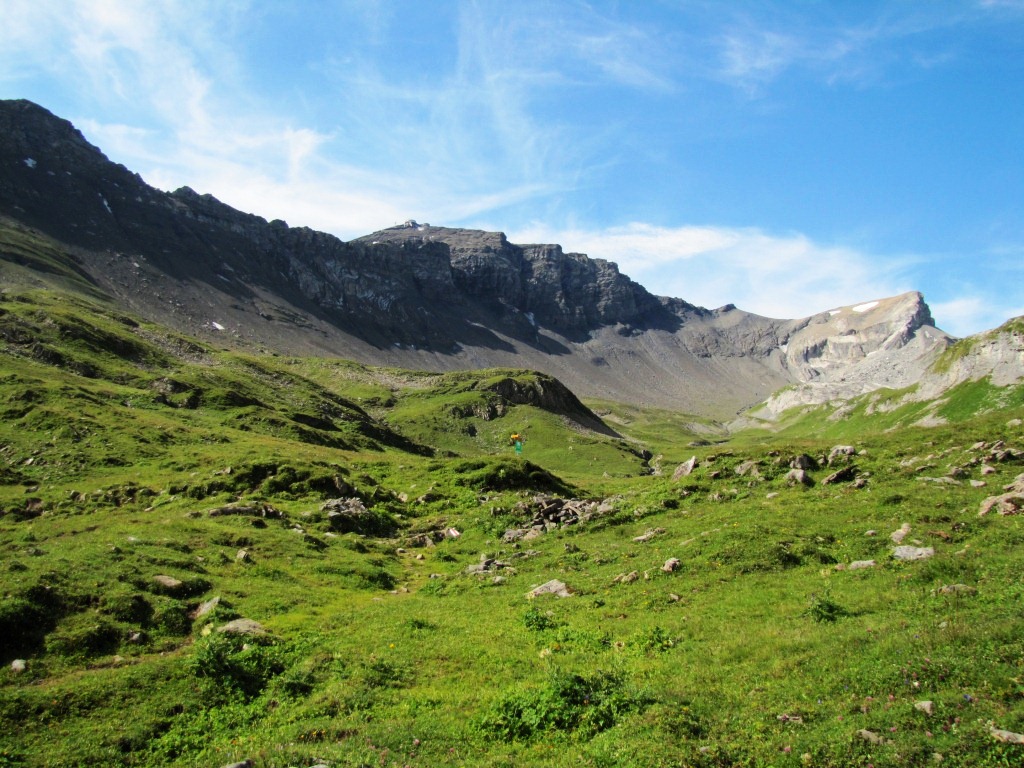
<point x="433" y="298"/>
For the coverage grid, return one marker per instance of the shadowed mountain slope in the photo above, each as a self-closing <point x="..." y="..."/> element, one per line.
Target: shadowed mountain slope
<point x="412" y="296"/>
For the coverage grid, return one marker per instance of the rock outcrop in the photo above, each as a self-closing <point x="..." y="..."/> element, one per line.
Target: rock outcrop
<point x="852" y="350"/>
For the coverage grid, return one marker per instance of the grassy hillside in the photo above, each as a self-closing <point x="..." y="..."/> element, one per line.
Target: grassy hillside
<point x="154" y="489"/>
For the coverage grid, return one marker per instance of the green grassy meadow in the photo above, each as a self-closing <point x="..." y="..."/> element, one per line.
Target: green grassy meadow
<point x="403" y="635"/>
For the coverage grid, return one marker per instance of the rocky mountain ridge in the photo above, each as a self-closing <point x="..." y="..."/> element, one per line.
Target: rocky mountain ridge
<point x="429" y="298"/>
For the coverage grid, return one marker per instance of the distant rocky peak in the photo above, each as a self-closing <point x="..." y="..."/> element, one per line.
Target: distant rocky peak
<point x="34" y="130"/>
<point x="845" y="335"/>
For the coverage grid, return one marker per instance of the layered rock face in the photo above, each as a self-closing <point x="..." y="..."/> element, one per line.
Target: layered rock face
<point x="851" y="350"/>
<point x="428" y="297"/>
<point x="568" y="293"/>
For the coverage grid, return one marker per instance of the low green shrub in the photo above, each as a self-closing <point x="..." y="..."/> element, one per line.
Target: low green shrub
<point x="566" y="703"/>
<point x="653" y="640"/>
<point x="23" y="626"/>
<point x="537" y="620"/>
<point x="233" y="665"/>
<point x="823" y="609"/>
<point x="85" y="635"/>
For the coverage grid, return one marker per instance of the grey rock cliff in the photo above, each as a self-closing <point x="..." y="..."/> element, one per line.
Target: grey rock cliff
<point x="433" y="298"/>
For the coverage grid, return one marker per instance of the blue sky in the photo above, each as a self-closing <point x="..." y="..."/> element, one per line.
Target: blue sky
<point x="787" y="157"/>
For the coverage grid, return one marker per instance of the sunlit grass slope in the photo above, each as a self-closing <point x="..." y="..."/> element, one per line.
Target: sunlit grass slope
<point x="154" y="489"/>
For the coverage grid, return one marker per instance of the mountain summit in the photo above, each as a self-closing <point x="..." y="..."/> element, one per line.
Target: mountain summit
<point x="421" y="296"/>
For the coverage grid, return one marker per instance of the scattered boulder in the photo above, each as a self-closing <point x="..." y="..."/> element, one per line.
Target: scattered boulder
<point x="671" y="565"/>
<point x="798" y="477"/>
<point x="1007" y="737"/>
<point x="908" y="553"/>
<point x="626" y="578"/>
<point x="1009" y="503"/>
<point x="843" y="475"/>
<point x="242" y="627"/>
<point x="803" y="461"/>
<point x="18" y="666"/>
<point x="898" y="536"/>
<point x="928" y="707"/>
<point x="243" y="556"/>
<point x="941" y="480"/>
<point x="840" y="452"/>
<point x="748" y="468"/>
<point x="685" y="469"/>
<point x="487" y="565"/>
<point x="550" y="513"/>
<point x="553" y="587"/>
<point x="205" y="607"/>
<point x="350" y="515"/>
<point x="648" y="535"/>
<point x="859" y="565"/>
<point x="169" y="584"/>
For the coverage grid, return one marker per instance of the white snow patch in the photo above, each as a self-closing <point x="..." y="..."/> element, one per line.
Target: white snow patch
<point x="865" y="307"/>
<point x="834" y="312"/>
<point x="217" y="326"/>
<point x="529" y="316"/>
<point x="30" y="162"/>
<point x="106" y="205"/>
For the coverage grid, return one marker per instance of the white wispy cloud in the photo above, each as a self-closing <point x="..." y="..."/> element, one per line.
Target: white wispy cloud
<point x="968" y="314"/>
<point x="753" y="51"/>
<point x="751" y="57"/>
